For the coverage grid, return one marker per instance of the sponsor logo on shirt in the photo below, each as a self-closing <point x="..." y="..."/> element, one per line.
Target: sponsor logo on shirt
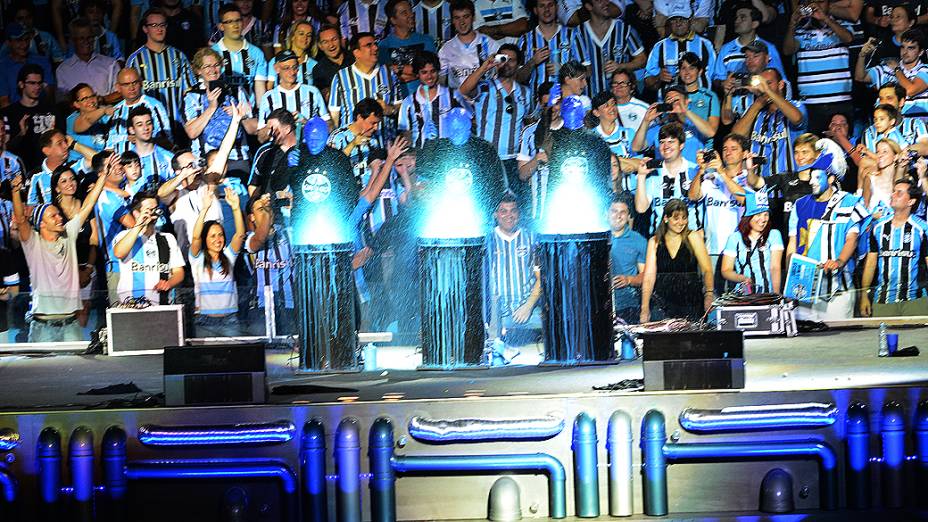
<point x="149" y="267"/>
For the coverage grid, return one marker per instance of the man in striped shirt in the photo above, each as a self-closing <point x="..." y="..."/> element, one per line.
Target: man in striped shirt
<point x="364" y="79"/>
<point x="909" y="72"/>
<point x="304" y="101"/>
<point x="433" y="18"/>
<point x="360" y="137"/>
<point x="607" y="45"/>
<point x="898" y="253"/>
<point x="243" y="62"/>
<point x="362" y="16"/>
<point x="164" y="70"/>
<point x="155" y="160"/>
<point x="546" y="47"/>
<point x="129" y="86"/>
<point x="422" y="113"/>
<point x="268" y="244"/>
<point x="504" y="20"/>
<point x="662" y="66"/>
<point x="463" y="54"/>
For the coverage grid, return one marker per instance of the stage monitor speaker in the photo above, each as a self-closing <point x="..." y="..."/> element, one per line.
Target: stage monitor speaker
<point x="693" y="360"/>
<point x="143" y="331"/>
<point x="217" y="374"/>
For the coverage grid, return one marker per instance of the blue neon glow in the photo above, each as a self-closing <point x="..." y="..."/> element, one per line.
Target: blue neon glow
<point x="767" y="417"/>
<point x="217" y="468"/>
<point x="9" y="439"/>
<point x="452" y="211"/>
<point x="574" y="206"/>
<point x="8" y="485"/>
<point x="320" y="229"/>
<point x="237" y="435"/>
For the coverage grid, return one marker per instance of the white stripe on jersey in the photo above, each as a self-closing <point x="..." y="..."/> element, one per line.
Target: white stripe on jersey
<point x="357" y="16"/>
<point x="165" y="75"/>
<point x="139" y="274"/>
<point x="511" y="268"/>
<point x="562" y="49"/>
<point x="415" y="111"/>
<point x="117" y="138"/>
<point x="434" y="21"/>
<point x="350" y="85"/>
<point x="620" y="44"/>
<point x="303" y="99"/>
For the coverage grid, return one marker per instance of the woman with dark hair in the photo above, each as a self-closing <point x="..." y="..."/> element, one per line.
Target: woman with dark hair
<point x="677" y="270"/>
<point x="66" y="196"/>
<point x="87" y="123"/>
<point x="753" y="255"/>
<point x="211" y="262"/>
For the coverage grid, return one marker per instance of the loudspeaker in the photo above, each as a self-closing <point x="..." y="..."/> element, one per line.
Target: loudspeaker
<point x="693" y="360"/>
<point x="216" y="374"/>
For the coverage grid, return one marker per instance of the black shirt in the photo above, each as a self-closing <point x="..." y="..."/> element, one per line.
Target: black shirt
<point x="326" y="69"/>
<point x="791" y="188"/>
<point x="185" y="32"/>
<point x="38" y="120"/>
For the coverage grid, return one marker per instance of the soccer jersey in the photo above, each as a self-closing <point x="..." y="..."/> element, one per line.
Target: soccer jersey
<point x="110" y="208"/>
<point x="772" y="137"/>
<point x="459" y="60"/>
<point x="434" y="21"/>
<point x="117" y="137"/>
<point x="631" y="114"/>
<point x="304" y="71"/>
<point x="272" y="266"/>
<point x="304" y="100"/>
<point x="351" y="85"/>
<point x="40" y="184"/>
<point x="910" y="131"/>
<point x="666" y="54"/>
<point x="511" y="266"/>
<point x="339" y="140"/>
<point x="731" y="59"/>
<point x="165" y="75"/>
<point x="901" y="253"/>
<point x="156" y="169"/>
<point x="823" y="66"/>
<point x="94" y="137"/>
<point x="10" y="165"/>
<point x="538" y="183"/>
<point x="661" y="186"/>
<point x="242" y="68"/>
<point x="562" y="50"/>
<point x="215" y="292"/>
<point x="142" y="269"/>
<point x="499" y="115"/>
<point x="620" y="44"/>
<point x="619" y="140"/>
<point x="195" y="103"/>
<point x="720" y="210"/>
<point x="424" y="119"/>
<point x="755" y="260"/>
<point x="358" y="16"/>
<point x="915" y="106"/>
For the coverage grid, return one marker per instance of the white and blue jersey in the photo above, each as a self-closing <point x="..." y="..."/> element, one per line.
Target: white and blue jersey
<point x="499" y="115"/>
<point x="661" y="186"/>
<point x="424" y="119"/>
<point x="272" y="266"/>
<point x="156" y="169"/>
<point x="915" y="106"/>
<point x="901" y="253"/>
<point x="110" y="208"/>
<point x="742" y="99"/>
<point x="511" y="264"/>
<point x="94" y="137"/>
<point x="341" y="137"/>
<point x="666" y="55"/>
<point x="43" y="44"/>
<point x="694" y="143"/>
<point x="117" y="137"/>
<point x="106" y="44"/>
<point x="539" y="181"/>
<point x="305" y="101"/>
<point x="166" y="76"/>
<point x="142" y="269"/>
<point x="195" y="104"/>
<point x="631" y="114"/>
<point x="755" y="261"/>
<point x="907" y="133"/>
<point x="215" y="293"/>
<point x="620" y="44"/>
<point x="823" y="66"/>
<point x="40" y="185"/>
<point x="562" y="50"/>
<point x="10" y="165"/>
<point x="772" y="137"/>
<point x="358" y="16"/>
<point x="304" y="71"/>
<point x="730" y="59"/>
<point x="350" y="85"/>
<point x="721" y="211"/>
<point x="619" y="140"/>
<point x="434" y="22"/>
<point x="242" y="68"/>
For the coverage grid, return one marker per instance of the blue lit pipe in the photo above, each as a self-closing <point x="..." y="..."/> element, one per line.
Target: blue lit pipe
<point x="9" y="439"/>
<point x="48" y="456"/>
<point x="348" y="469"/>
<point x="656" y="453"/>
<point x="482" y="430"/>
<point x="557" y="493"/>
<point x="315" y="504"/>
<point x="921" y="447"/>
<point x="234" y="434"/>
<point x="80" y="461"/>
<point x="220" y="469"/>
<point x="750" y="418"/>
<point x="383" y="480"/>
<point x="113" y="455"/>
<point x="857" y="474"/>
<point x="586" y="467"/>
<point x="893" y="434"/>
<point x="8" y="486"/>
<point x="619" y="441"/>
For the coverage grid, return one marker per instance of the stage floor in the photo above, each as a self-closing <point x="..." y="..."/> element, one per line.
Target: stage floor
<point x="829" y="360"/>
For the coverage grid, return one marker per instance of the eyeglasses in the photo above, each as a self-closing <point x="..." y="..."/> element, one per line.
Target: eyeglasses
<point x="161" y="25"/>
<point x="234" y="21"/>
<point x="85" y="98"/>
<point x="621" y="84"/>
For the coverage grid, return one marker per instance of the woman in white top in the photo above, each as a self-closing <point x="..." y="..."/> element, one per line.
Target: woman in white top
<point x="879" y="173"/>
<point x="211" y="262"/>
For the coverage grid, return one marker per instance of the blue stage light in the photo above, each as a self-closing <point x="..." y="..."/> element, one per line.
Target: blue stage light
<point x="574" y="206"/>
<point x="452" y="211"/>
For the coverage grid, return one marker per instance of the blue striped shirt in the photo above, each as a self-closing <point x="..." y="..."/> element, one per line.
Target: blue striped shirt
<point x="304" y="100"/>
<point x="156" y="169"/>
<point x="94" y="137"/>
<point x="730" y="59"/>
<point x="666" y="54"/>
<point x="511" y="265"/>
<point x="350" y="85"/>
<point x="562" y="50"/>
<point x="242" y="68"/>
<point x="500" y="116"/>
<point x="915" y="106"/>
<point x="272" y="266"/>
<point x="165" y="76"/>
<point x="110" y="208"/>
<point x="772" y="136"/>
<point x="40" y="185"/>
<point x="117" y="138"/>
<point x="620" y="44"/>
<point x="341" y="137"/>
<point x="538" y="184"/>
<point x="661" y="186"/>
<point x="823" y="66"/>
<point x="907" y="133"/>
<point x="10" y="165"/>
<point x="417" y="114"/>
<point x="195" y="104"/>
<point x="434" y="22"/>
<point x="753" y="261"/>
<point x="901" y="253"/>
<point x="216" y="294"/>
<point x="357" y="16"/>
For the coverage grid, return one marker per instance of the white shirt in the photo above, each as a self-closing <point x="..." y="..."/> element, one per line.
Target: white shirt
<point x="632" y="113"/>
<point x="99" y="73"/>
<point x="144" y="259"/>
<point x="722" y="212"/>
<point x="459" y="60"/>
<point x="53" y="271"/>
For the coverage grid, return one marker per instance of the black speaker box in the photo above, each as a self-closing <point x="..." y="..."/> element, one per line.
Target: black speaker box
<point x="214" y="374"/>
<point x="693" y="360"/>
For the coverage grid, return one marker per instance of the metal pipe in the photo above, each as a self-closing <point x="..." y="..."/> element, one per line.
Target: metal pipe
<point x="235" y="505"/>
<point x="557" y="495"/>
<point x="9" y="439"/>
<point x="113" y="450"/>
<point x="80" y="461"/>
<point x="505" y="502"/>
<point x="653" y="464"/>
<point x="8" y="485"/>
<point x="220" y="469"/>
<point x="892" y="430"/>
<point x="586" y="467"/>
<point x="383" y="480"/>
<point x="315" y="504"/>
<point x="776" y="492"/>
<point x="235" y="434"/>
<point x="473" y="430"/>
<point x="619" y="450"/>
<point x="48" y="455"/>
<point x="857" y="476"/>
<point x="766" y="417"/>
<point x="921" y="448"/>
<point x="348" y="469"/>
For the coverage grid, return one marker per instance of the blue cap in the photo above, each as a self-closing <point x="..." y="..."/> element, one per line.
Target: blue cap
<point x="755" y="203"/>
<point x="16" y="30"/>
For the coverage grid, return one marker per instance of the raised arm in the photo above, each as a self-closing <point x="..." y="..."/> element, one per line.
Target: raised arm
<point x="19" y="209"/>
<point x="239" y="237"/>
<point x="196" y="244"/>
<point x="228" y="141"/>
<point x="91" y="200"/>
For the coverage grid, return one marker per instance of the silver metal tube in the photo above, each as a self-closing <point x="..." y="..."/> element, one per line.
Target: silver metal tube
<point x="765" y="417"/>
<point x="472" y="430"/>
<point x="619" y="441"/>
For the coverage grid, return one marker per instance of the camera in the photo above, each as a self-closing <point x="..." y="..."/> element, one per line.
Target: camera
<point x="743" y="79"/>
<point x="654" y="163"/>
<point x="663" y="107"/>
<point x="157" y="212"/>
<point x="709" y="155"/>
<point x="759" y="160"/>
<point x="501" y="58"/>
<point x="805" y="10"/>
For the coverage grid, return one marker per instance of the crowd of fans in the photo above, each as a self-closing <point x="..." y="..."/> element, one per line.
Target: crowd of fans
<point x="146" y="147"/>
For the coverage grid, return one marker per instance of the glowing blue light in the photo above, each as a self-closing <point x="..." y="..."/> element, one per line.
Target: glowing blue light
<point x="238" y="434"/>
<point x="320" y="228"/>
<point x="453" y="212"/>
<point x="574" y="206"/>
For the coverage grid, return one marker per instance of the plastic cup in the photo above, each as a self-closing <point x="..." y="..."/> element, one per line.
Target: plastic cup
<point x="892" y="342"/>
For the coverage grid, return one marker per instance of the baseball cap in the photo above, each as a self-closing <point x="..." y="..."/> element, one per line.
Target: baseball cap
<point x="285" y="55"/>
<point x="756" y="46"/>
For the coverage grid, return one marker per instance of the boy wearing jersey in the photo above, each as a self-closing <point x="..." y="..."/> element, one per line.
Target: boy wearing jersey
<point x="129" y="86"/>
<point x="463" y="54"/>
<point x="244" y="64"/>
<point x="898" y="253"/>
<point x="150" y="263"/>
<point x="888" y="124"/>
<point x="433" y="19"/>
<point x="155" y="160"/>
<point x="269" y="244"/>
<point x="606" y="44"/>
<point x="422" y="112"/>
<point x="546" y="47"/>
<point x="672" y="180"/>
<point x="696" y="129"/>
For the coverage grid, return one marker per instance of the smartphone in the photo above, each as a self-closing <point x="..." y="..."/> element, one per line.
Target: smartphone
<point x="759" y="160"/>
<point x="663" y="107"/>
<point x="654" y="163"/>
<point x="708" y="155"/>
